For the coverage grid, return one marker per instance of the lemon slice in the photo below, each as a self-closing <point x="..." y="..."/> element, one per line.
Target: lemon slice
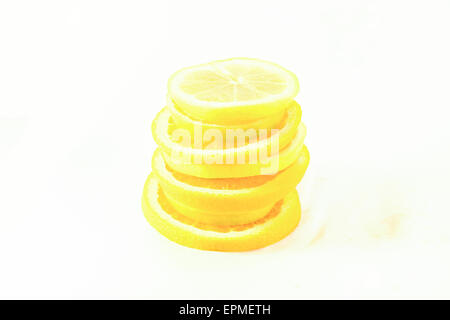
<point x="181" y="120"/>
<point x="163" y="129"/>
<point x="221" y="220"/>
<point x="267" y="166"/>
<point x="227" y="201"/>
<point x="233" y="91"/>
<point x="255" y="156"/>
<point x="277" y="224"/>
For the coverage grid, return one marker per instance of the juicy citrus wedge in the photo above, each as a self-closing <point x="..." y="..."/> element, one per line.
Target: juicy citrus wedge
<point x="277" y="224"/>
<point x="233" y="91"/>
<point x="230" y="200"/>
<point x="181" y="120"/>
<point x="184" y="149"/>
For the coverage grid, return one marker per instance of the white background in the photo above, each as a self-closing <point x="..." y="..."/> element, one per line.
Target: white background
<point x="80" y="82"/>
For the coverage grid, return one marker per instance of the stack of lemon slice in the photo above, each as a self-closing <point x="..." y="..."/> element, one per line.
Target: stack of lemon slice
<point x="230" y="156"/>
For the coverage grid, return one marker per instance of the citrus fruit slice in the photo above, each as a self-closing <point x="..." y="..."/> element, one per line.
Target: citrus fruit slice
<point x="233" y="91"/>
<point x="217" y="219"/>
<point x="239" y="199"/>
<point x="181" y="120"/>
<point x="187" y="149"/>
<point x="191" y="162"/>
<point x="277" y="224"/>
<point x="165" y="133"/>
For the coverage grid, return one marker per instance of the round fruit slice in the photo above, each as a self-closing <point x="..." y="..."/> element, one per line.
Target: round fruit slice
<point x="232" y="91"/>
<point x="225" y="201"/>
<point x="277" y="224"/>
<point x="210" y="147"/>
<point x="181" y="120"/>
<point x="165" y="133"/>
<point x="189" y="162"/>
<point x="222" y="220"/>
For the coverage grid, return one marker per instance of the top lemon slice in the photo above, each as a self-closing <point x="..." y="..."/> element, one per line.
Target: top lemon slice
<point x="233" y="91"/>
